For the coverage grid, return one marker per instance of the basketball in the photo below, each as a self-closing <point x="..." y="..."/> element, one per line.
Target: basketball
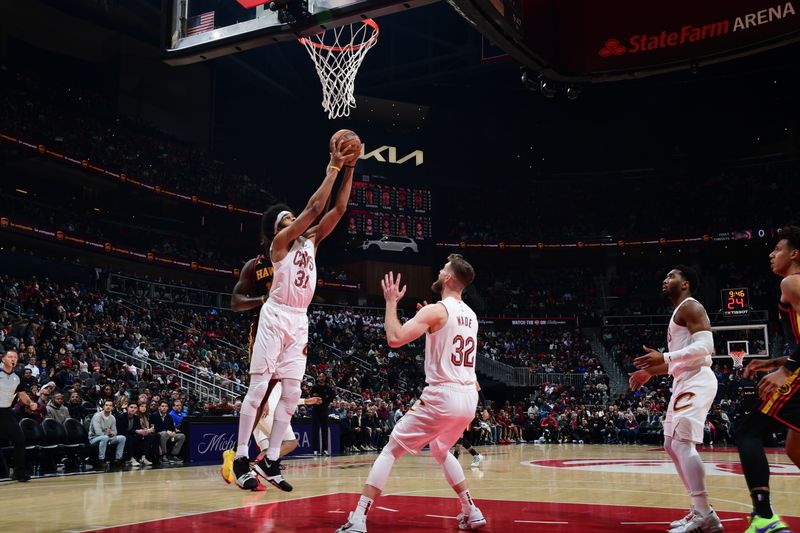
<point x="343" y="135"/>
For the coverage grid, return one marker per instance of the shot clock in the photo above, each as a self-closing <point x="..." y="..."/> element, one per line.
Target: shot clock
<point x="735" y="302"/>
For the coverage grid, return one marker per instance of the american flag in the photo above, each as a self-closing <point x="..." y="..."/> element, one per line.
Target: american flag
<point x="200" y="23"/>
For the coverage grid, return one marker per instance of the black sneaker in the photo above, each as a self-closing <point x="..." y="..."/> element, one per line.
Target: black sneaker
<point x="456" y="453"/>
<point x="245" y="478"/>
<point x="271" y="471"/>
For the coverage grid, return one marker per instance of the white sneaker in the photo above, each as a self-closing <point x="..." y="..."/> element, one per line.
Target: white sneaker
<point x="474" y="520"/>
<point x="133" y="462"/>
<point x="145" y="461"/>
<point x="476" y="461"/>
<point x="683" y="521"/>
<point x="353" y="526"/>
<point x="709" y="523"/>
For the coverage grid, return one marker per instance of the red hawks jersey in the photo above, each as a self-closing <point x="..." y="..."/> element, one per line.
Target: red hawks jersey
<point x="450" y="352"/>
<point x="295" y="276"/>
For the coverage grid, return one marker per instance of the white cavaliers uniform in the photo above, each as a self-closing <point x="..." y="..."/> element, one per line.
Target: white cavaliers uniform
<point x="282" y="336"/>
<point x="693" y="389"/>
<point x="447" y="405"/>
<point x="263" y="430"/>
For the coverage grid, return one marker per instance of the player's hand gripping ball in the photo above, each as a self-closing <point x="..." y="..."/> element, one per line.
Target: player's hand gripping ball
<point x="348" y="144"/>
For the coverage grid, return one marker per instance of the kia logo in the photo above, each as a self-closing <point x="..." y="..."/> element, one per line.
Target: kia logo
<point x="612" y="47"/>
<point x="217" y="443"/>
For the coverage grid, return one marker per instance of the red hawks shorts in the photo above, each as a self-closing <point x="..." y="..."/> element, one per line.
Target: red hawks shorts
<point x="784" y="404"/>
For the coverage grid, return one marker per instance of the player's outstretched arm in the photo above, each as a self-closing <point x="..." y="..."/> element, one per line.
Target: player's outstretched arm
<point x="335" y="214"/>
<point x="429" y="318"/>
<point x="240" y="297"/>
<point x="313" y="208"/>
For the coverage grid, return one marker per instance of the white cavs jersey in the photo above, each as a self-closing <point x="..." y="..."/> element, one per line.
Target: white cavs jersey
<point x="450" y="352"/>
<point x="679" y="337"/>
<point x="295" y="276"/>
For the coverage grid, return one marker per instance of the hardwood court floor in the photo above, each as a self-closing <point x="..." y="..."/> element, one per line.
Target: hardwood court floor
<point x="519" y="487"/>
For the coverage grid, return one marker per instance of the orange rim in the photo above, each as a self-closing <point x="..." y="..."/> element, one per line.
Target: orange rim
<point x="349" y="48"/>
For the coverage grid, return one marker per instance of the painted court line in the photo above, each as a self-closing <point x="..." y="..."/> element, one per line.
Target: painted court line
<point x="537" y="522"/>
<point x="387" y="509"/>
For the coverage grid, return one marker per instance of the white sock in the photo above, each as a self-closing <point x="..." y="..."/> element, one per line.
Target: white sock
<point x="466" y="501"/>
<point x="274" y="453"/>
<point x="259" y="384"/>
<point x="363" y="507"/>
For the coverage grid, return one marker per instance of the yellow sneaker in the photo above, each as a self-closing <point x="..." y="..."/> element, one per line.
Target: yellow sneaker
<point x="227" y="466"/>
<point x="767" y="525"/>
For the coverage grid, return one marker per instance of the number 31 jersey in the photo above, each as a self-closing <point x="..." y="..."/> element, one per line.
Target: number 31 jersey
<point x="295" y="276"/>
<point x="450" y="352"/>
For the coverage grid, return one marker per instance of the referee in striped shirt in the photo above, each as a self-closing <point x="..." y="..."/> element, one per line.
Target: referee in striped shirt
<point x="11" y="387"/>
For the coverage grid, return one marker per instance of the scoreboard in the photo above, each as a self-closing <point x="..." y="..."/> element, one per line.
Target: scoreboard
<point x="385" y="209"/>
<point x="735" y="302"/>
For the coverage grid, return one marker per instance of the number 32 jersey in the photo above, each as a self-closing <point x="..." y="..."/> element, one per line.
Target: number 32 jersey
<point x="295" y="276"/>
<point x="450" y="352"/>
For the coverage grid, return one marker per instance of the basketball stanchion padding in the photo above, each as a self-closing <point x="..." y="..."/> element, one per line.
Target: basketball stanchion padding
<point x="337" y="54"/>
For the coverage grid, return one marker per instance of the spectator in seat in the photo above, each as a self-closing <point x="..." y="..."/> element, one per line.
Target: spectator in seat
<point x="147" y="428"/>
<point x="177" y="413"/>
<point x="32" y="366"/>
<point x="140" y="352"/>
<point x="165" y="427"/>
<point x="121" y="405"/>
<point x="27" y="379"/>
<point x="103" y="431"/>
<point x="56" y="408"/>
<point x="76" y="408"/>
<point x="140" y="442"/>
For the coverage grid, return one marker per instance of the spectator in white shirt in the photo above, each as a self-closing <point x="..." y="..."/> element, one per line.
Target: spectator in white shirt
<point x="140" y="352"/>
<point x="32" y="365"/>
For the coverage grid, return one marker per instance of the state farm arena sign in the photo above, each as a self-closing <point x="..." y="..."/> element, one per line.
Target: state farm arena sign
<point x="696" y="32"/>
<point x="603" y="39"/>
<point x="654" y="466"/>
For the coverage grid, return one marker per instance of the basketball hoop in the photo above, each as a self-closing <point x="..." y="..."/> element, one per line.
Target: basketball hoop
<point x="337" y="54"/>
<point x="738" y="359"/>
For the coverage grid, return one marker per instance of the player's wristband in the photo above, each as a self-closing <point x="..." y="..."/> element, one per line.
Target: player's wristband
<point x="349" y="166"/>
<point x="334" y="167"/>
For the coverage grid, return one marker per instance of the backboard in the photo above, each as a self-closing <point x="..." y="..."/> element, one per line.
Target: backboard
<point x="197" y="30"/>
<point x="751" y="340"/>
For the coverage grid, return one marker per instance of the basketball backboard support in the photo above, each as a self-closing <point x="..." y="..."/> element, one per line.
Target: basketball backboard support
<point x="197" y="30"/>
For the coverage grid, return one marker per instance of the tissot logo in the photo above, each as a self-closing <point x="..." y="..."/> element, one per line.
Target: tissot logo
<point x="691" y="33"/>
<point x="388" y="154"/>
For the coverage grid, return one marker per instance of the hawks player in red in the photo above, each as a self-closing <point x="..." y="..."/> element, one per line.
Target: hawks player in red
<point x="778" y="391"/>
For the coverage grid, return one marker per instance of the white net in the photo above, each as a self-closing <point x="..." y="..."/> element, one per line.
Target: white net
<point x="738" y="359"/>
<point x="337" y="54"/>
